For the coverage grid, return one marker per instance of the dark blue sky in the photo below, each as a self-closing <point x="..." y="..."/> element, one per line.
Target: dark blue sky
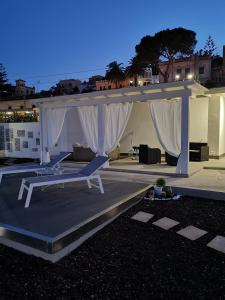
<point x="44" y="37"/>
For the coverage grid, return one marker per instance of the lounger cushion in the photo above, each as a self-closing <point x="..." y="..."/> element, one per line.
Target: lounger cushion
<point x="94" y="165"/>
<point x="50" y="178"/>
<point x="29" y="167"/>
<point x="22" y="167"/>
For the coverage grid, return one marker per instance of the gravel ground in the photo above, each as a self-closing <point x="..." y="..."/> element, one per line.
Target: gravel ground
<point x="129" y="260"/>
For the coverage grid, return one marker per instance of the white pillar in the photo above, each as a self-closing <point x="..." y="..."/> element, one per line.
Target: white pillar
<point x="183" y="162"/>
<point x="43" y="135"/>
<point x="101" y="131"/>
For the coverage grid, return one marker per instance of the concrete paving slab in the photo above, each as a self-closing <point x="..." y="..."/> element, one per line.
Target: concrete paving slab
<point x="218" y="243"/>
<point x="165" y="223"/>
<point x="191" y="232"/>
<point x="142" y="216"/>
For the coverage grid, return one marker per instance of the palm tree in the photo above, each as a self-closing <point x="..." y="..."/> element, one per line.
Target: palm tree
<point x="115" y="73"/>
<point x="134" y="69"/>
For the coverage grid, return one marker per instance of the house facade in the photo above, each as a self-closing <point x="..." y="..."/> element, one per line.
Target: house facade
<point x="191" y="68"/>
<point x="22" y="90"/>
<point x="142" y="80"/>
<point x="68" y="86"/>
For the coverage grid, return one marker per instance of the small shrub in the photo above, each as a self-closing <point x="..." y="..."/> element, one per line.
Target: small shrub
<point x="161" y="182"/>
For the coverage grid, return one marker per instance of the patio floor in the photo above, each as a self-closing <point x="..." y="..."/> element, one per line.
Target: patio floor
<point x="56" y="214"/>
<point x="59" y="220"/>
<point x="129" y="165"/>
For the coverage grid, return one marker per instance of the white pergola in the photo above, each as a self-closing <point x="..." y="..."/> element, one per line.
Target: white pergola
<point x="182" y="89"/>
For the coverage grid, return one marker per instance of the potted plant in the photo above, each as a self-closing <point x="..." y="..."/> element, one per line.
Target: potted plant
<point x="159" y="185"/>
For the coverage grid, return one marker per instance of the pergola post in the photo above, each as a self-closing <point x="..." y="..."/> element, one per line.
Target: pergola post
<point x="101" y="131"/>
<point x="43" y="134"/>
<point x="183" y="163"/>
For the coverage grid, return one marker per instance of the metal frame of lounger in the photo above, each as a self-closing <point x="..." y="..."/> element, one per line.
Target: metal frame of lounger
<point x="33" y="167"/>
<point x="88" y="173"/>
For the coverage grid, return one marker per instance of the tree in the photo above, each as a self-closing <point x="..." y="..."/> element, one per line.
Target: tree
<point x="210" y="47"/>
<point x="3" y="75"/>
<point x="134" y="69"/>
<point x="166" y="45"/>
<point x="6" y="89"/>
<point x="115" y="73"/>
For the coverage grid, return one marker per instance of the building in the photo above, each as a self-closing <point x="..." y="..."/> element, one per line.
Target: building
<point x="218" y="70"/>
<point x="90" y="85"/>
<point x="195" y="67"/>
<point x="141" y="80"/>
<point x="108" y="85"/>
<point x="15" y="110"/>
<point x="22" y="90"/>
<point x="68" y="86"/>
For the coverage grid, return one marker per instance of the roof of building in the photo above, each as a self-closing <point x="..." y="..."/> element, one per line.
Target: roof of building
<point x="186" y="59"/>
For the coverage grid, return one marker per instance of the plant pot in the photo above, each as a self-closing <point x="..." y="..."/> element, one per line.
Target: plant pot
<point x="158" y="190"/>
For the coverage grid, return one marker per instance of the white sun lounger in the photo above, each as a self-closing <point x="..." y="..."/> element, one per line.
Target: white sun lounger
<point x="88" y="173"/>
<point x="33" y="167"/>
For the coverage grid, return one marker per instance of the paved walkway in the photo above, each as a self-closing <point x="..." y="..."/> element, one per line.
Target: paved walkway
<point x="190" y="232"/>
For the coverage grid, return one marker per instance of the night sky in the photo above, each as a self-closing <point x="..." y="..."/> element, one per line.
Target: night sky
<point x="47" y="40"/>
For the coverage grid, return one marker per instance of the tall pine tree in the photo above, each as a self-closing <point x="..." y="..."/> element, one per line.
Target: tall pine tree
<point x="210" y="47"/>
<point x="3" y="75"/>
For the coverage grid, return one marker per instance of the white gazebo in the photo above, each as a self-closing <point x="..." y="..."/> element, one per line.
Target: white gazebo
<point x="104" y="116"/>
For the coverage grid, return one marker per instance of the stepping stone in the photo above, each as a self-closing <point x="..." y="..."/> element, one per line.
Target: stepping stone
<point x="142" y="216"/>
<point x="191" y="232"/>
<point x="218" y="243"/>
<point x="165" y="223"/>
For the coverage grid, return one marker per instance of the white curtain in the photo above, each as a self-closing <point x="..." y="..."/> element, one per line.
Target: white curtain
<point x="116" y="118"/>
<point x="103" y="126"/>
<point x="54" y="119"/>
<point x="89" y="122"/>
<point x="166" y="116"/>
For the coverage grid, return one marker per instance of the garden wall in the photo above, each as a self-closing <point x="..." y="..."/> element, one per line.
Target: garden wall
<point x="20" y="140"/>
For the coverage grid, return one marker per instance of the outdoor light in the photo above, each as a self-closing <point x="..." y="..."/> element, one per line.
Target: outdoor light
<point x="190" y="76"/>
<point x="177" y="76"/>
<point x="131" y="81"/>
<point x="9" y="112"/>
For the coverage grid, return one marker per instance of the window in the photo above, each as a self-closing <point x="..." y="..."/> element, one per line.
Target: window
<point x="109" y="87"/>
<point x="179" y="71"/>
<point x="187" y="72"/>
<point x="100" y="88"/>
<point x="201" y="70"/>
